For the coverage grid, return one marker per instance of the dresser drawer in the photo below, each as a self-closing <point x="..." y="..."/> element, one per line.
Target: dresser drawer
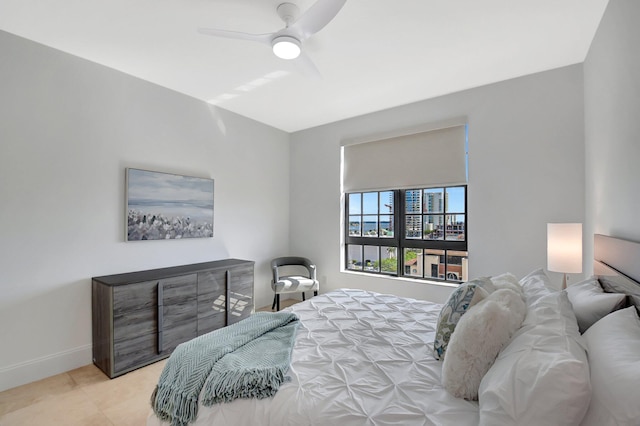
<point x="211" y="321"/>
<point x="134" y="352"/>
<point x="212" y="282"/>
<point x="135" y="296"/>
<point x="132" y="323"/>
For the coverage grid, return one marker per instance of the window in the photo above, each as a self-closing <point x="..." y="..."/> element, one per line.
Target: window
<point x="406" y="203"/>
<point x="418" y="233"/>
<point x="371" y="220"/>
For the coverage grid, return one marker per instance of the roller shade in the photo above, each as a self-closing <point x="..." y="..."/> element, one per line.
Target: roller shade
<point x="436" y="157"/>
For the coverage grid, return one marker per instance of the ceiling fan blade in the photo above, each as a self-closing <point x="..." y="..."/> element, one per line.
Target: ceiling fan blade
<point x="317" y="17"/>
<point x="306" y="66"/>
<point x="261" y="38"/>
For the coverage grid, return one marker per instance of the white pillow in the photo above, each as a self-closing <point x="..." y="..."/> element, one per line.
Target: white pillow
<point x="590" y="302"/>
<point x="507" y="280"/>
<point x="479" y="336"/>
<point x="614" y="358"/>
<point x="542" y="376"/>
<point x="536" y="285"/>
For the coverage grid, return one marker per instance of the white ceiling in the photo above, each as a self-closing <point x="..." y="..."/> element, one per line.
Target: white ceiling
<point x="374" y="55"/>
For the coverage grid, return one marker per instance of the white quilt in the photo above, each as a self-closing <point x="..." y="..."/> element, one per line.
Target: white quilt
<point x="360" y="358"/>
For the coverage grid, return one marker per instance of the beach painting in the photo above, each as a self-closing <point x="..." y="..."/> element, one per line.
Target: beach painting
<point x="164" y="206"/>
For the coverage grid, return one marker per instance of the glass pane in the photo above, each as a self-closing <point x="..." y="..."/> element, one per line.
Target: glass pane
<point x="386" y="202"/>
<point x="433" y="200"/>
<point x="457" y="265"/>
<point x="354" y="261"/>
<point x="355" y="202"/>
<point x="355" y="226"/>
<point x="413" y="226"/>
<point x="370" y="226"/>
<point x="433" y="227"/>
<point x="371" y="259"/>
<point x="389" y="261"/>
<point x="413" y="201"/>
<point x="455" y="200"/>
<point x="370" y="203"/>
<point x="386" y="226"/>
<point x="434" y="264"/>
<point x="413" y="262"/>
<point x="455" y="227"/>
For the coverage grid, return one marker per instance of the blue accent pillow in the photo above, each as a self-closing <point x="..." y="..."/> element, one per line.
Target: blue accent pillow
<point x="459" y="302"/>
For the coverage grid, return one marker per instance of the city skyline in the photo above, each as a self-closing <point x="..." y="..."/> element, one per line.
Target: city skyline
<point x="454" y="196"/>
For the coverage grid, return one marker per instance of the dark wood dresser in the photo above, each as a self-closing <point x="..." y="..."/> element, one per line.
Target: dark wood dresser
<point x="140" y="317"/>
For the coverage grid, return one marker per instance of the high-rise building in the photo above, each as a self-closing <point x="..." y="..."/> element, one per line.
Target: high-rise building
<point x="434" y="202"/>
<point x="413" y="204"/>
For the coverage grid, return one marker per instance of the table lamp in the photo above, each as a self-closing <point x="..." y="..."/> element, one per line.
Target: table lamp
<point x="564" y="249"/>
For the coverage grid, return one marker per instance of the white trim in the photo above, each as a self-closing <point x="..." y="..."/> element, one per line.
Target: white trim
<point x="49" y="365"/>
<point x="404" y="278"/>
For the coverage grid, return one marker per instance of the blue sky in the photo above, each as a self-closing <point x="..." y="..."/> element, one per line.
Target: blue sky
<point x="156" y="186"/>
<point x="456" y="201"/>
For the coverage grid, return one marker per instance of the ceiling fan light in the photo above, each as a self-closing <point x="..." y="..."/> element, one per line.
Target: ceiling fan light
<point x="286" y="47"/>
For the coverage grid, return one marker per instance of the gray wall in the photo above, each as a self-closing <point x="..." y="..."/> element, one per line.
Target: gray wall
<point x="526" y="168"/>
<point x="68" y="130"/>
<point x="612" y="125"/>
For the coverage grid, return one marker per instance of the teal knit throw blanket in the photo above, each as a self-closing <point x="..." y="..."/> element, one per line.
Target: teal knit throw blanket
<point x="247" y="359"/>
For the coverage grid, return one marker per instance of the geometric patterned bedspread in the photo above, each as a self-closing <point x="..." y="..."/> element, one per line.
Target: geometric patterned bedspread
<point x="360" y="358"/>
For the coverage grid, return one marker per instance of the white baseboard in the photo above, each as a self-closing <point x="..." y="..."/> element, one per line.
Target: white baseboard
<point x="43" y="367"/>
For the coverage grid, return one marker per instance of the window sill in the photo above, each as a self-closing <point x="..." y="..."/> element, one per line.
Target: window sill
<point x="404" y="279"/>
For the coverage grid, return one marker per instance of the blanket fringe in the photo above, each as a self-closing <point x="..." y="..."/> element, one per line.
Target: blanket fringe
<point x="254" y="383"/>
<point x="178" y="408"/>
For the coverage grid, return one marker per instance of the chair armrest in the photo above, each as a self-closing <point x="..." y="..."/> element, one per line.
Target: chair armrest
<point x="312" y="272"/>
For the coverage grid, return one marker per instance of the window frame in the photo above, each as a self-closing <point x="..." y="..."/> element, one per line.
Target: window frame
<point x="399" y="239"/>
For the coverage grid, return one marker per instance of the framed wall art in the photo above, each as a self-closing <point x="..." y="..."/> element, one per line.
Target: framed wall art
<point x="165" y="206"/>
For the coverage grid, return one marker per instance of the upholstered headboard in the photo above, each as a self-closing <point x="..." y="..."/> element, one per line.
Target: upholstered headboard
<point x="617" y="266"/>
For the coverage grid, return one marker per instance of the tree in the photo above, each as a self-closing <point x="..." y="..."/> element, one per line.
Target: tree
<point x="389" y="265"/>
<point x="410" y="255"/>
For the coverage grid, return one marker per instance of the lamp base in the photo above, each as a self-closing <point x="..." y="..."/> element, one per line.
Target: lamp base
<point x="564" y="281"/>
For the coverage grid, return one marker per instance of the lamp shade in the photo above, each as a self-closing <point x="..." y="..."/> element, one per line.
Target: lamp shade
<point x="564" y="247"/>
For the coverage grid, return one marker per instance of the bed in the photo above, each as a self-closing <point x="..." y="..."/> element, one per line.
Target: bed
<point x="364" y="358"/>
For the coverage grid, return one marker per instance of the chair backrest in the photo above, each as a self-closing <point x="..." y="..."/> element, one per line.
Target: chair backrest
<point x="292" y="261"/>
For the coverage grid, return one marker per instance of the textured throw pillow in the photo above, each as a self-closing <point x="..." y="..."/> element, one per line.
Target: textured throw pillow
<point x="460" y="300"/>
<point x="590" y="302"/>
<point x="507" y="280"/>
<point x="614" y="344"/>
<point x="480" y="335"/>
<point x="542" y="376"/>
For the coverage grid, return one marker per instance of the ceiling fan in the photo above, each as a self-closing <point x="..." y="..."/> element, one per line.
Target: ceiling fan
<point x="287" y="42"/>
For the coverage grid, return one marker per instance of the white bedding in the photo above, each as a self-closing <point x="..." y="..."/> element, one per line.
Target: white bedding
<point x="360" y="358"/>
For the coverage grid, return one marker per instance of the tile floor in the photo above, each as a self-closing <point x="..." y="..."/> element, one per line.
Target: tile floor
<point x="85" y="397"/>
